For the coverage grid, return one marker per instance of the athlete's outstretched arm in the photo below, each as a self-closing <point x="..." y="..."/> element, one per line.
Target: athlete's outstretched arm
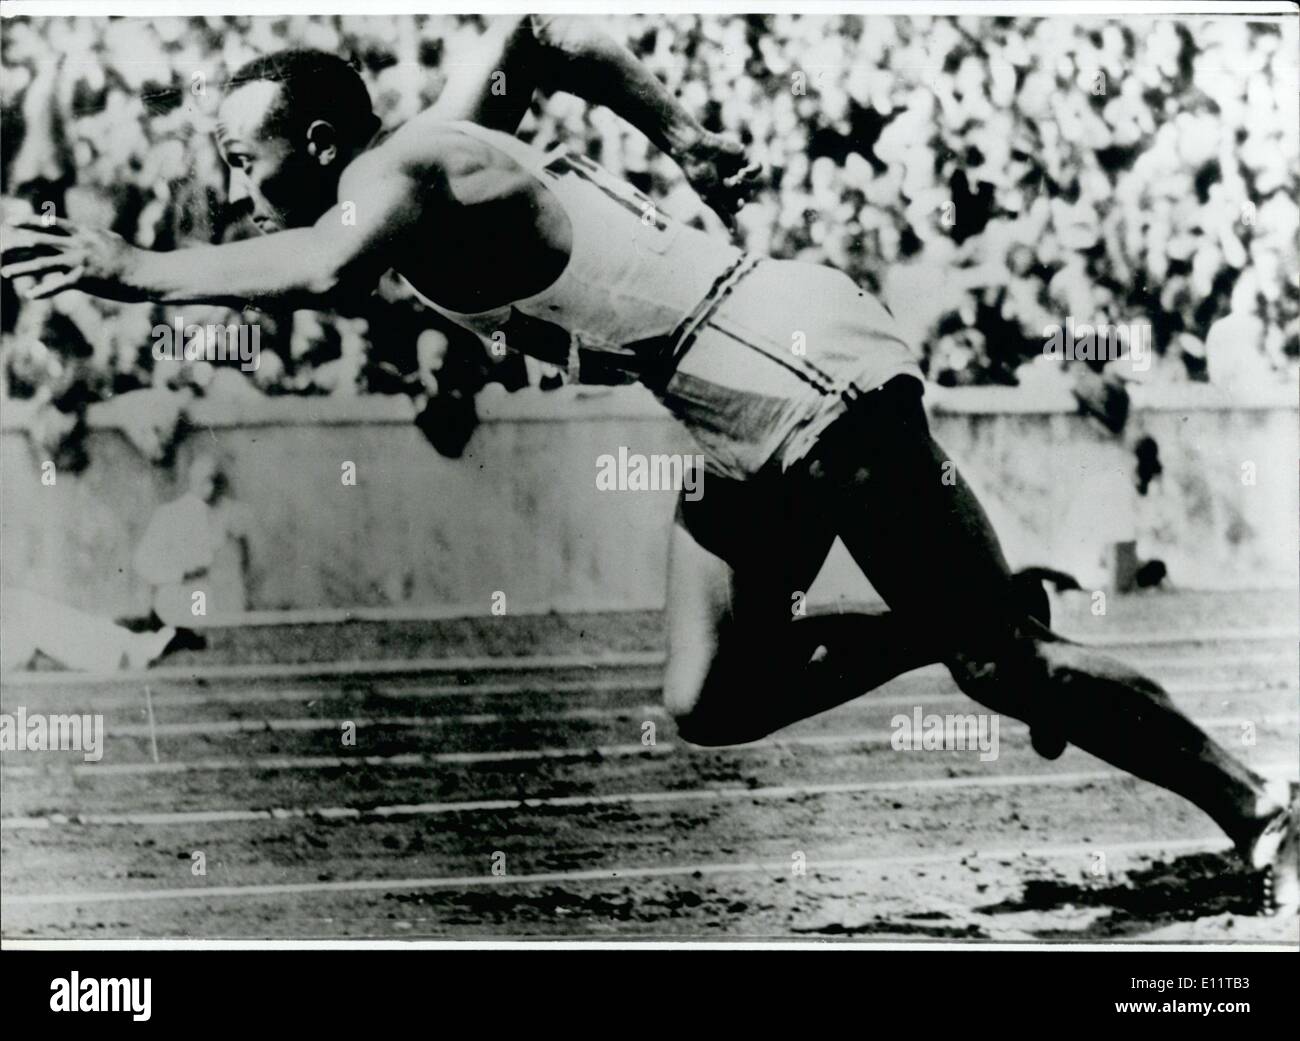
<point x="329" y="264"/>
<point x="574" y="54"/>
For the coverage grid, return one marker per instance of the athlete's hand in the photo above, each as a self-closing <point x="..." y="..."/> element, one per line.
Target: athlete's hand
<point x="721" y="173"/>
<point x="61" y="255"/>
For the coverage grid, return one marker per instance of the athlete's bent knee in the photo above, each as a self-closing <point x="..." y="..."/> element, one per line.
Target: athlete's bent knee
<point x="1010" y="678"/>
<point x="1018" y="682"/>
<point x="712" y="729"/>
<point x="684" y="700"/>
<point x="721" y="711"/>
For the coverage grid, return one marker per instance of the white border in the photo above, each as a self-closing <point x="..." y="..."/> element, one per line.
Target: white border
<point x="621" y="945"/>
<point x="1038" y="8"/>
<point x="1008" y="8"/>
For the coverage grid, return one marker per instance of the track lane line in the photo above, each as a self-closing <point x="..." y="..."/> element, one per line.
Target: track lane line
<point x="618" y="751"/>
<point x="543" y="663"/>
<point x="351" y="667"/>
<point x="300" y="724"/>
<point x="777" y="868"/>
<point x="930" y="673"/>
<point x="426" y="809"/>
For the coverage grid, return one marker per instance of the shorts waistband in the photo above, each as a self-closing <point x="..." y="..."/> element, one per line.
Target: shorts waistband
<point x="678" y="342"/>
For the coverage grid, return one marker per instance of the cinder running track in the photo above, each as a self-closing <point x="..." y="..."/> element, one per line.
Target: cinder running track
<point x="500" y="786"/>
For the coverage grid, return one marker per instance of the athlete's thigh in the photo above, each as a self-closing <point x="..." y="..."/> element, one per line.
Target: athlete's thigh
<point x="738" y="557"/>
<point x="912" y="523"/>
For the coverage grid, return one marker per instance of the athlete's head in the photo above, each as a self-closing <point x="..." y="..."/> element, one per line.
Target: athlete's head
<point x="289" y="124"/>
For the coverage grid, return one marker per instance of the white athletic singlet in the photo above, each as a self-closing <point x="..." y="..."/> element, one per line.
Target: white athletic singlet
<point x="753" y="355"/>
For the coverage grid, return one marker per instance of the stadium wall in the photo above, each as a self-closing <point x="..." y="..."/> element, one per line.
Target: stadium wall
<point x="521" y="513"/>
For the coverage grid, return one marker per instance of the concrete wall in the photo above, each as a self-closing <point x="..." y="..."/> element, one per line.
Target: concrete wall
<point x="521" y="513"/>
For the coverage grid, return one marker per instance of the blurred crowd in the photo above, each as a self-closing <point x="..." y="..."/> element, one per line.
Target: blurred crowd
<point x="986" y="176"/>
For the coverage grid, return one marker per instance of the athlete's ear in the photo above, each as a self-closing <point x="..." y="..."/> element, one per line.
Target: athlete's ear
<point x="322" y="142"/>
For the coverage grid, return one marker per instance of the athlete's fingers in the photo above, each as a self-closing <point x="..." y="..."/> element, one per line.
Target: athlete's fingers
<point x="20" y="256"/>
<point x="31" y="249"/>
<point x="46" y="225"/>
<point x="56" y="284"/>
<point x="38" y="266"/>
<point x="747" y="179"/>
<point x="728" y="146"/>
<point x="23" y="239"/>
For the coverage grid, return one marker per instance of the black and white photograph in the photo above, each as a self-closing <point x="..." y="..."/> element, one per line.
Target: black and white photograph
<point x="769" y="475"/>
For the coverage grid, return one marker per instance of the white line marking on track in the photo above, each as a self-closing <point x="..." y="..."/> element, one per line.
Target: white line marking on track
<point x="355" y="667"/>
<point x="619" y="751"/>
<point x="1187" y="661"/>
<point x="869" y="699"/>
<point x="252" y="726"/>
<point x="778" y="868"/>
<point x="402" y="811"/>
<point x="189" y="697"/>
<point x="1224" y="635"/>
<point x="542" y="663"/>
<point x="328" y="762"/>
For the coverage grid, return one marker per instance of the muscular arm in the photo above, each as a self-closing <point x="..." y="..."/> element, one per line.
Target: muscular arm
<point x="337" y="259"/>
<point x="344" y="253"/>
<point x="582" y="59"/>
<point x="518" y="55"/>
<point x="573" y="54"/>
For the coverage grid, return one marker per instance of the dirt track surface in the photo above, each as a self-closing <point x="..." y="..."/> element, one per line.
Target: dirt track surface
<point x="501" y="798"/>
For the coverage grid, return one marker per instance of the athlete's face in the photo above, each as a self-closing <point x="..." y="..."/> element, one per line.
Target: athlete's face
<point x="282" y="183"/>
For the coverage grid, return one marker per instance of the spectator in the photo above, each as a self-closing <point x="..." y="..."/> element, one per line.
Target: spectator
<point x="987" y="176"/>
<point x="30" y="622"/>
<point x="194" y="553"/>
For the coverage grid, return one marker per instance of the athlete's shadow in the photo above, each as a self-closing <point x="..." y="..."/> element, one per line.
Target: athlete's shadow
<point x="1198" y="885"/>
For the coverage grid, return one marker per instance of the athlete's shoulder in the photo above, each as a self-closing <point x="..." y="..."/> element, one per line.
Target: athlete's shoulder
<point x="423" y="153"/>
<point x="455" y="146"/>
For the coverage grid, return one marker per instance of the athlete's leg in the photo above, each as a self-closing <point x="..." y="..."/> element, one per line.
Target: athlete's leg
<point x="914" y="526"/>
<point x="741" y="661"/>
